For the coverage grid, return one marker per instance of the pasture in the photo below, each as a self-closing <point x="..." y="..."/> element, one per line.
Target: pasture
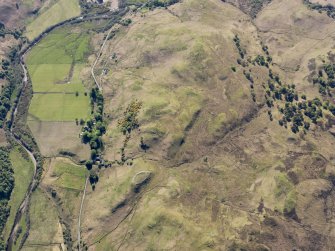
<point x="59" y="107"/>
<point x="70" y="175"/>
<point x="45" y="228"/>
<point x="68" y="180"/>
<point x="58" y="12"/>
<point x="56" y="67"/>
<point x="23" y="172"/>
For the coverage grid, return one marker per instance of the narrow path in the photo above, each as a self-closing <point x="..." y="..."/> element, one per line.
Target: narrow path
<point x="97" y="59"/>
<point x="100" y="88"/>
<point x="80" y="212"/>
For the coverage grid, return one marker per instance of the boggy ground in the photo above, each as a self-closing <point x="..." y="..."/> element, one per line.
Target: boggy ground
<point x="224" y="177"/>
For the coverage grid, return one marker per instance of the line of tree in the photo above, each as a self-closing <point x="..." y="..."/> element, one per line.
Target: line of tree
<point x="94" y="128"/>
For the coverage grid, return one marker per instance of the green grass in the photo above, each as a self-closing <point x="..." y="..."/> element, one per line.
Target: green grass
<point x="44" y="77"/>
<point x="283" y="185"/>
<point x="59" y="107"/>
<point x="71" y="176"/>
<point x="23" y="225"/>
<point x="60" y="11"/>
<point x="217" y="122"/>
<point x="62" y="46"/>
<point x="23" y="172"/>
<point x="55" y="65"/>
<point x="43" y="219"/>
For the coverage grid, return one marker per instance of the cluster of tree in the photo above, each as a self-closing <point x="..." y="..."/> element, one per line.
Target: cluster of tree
<point x="94" y="178"/>
<point x="6" y="186"/>
<point x="297" y="112"/>
<point x="325" y="79"/>
<point x="262" y="61"/>
<point x="88" y="7"/>
<point x="3" y="32"/>
<point x="329" y="9"/>
<point x="129" y="121"/>
<point x="256" y="6"/>
<point x="94" y="128"/>
<point x="125" y="22"/>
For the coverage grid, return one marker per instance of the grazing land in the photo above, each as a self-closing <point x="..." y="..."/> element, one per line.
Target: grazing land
<point x="45" y="229"/>
<point x="65" y="182"/>
<point x="23" y="173"/>
<point x="70" y="176"/>
<point x="55" y="66"/>
<point x="60" y="10"/>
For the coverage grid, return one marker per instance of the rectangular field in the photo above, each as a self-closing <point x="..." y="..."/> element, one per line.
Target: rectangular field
<point x="71" y="176"/>
<point x="59" y="107"/>
<point x="56" y="78"/>
<point x="52" y="137"/>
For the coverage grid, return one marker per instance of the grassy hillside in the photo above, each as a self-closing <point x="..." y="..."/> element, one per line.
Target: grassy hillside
<point x="226" y="174"/>
<point x="58" y="12"/>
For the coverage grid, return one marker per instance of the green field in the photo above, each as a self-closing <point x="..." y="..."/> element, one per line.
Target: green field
<point x="71" y="176"/>
<point x="60" y="11"/>
<point x="45" y="75"/>
<point x="55" y="66"/>
<point x="59" y="107"/>
<point x="44" y="223"/>
<point x="23" y="172"/>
